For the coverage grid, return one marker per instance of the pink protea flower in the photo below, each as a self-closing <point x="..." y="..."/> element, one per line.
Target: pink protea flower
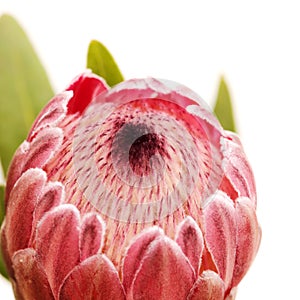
<point x="130" y="193"/>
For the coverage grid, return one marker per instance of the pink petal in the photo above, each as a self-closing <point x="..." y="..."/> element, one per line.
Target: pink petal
<point x="190" y="239"/>
<point x="237" y="168"/>
<point x="33" y="155"/>
<point x="136" y="252"/>
<point x="43" y="147"/>
<point x="53" y="195"/>
<point x="95" y="278"/>
<point x="16" y="168"/>
<point x="57" y="243"/>
<point x="20" y="209"/>
<point x="220" y="234"/>
<point x="51" y="114"/>
<point x="154" y="88"/>
<point x="248" y="238"/>
<point x="4" y="252"/>
<point x="169" y="91"/>
<point x="213" y="128"/>
<point x="30" y="277"/>
<point x="227" y="187"/>
<point x="164" y="273"/>
<point x="85" y="88"/>
<point x="209" y="286"/>
<point x="91" y="235"/>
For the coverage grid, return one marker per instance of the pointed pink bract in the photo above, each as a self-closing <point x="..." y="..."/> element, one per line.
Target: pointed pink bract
<point x="51" y="114"/>
<point x="25" y="263"/>
<point x="135" y="254"/>
<point x="91" y="235"/>
<point x="18" y="224"/>
<point x="94" y="279"/>
<point x="52" y="195"/>
<point x="220" y="234"/>
<point x="16" y="169"/>
<point x="190" y="239"/>
<point x="248" y="238"/>
<point x="57" y="243"/>
<point x="33" y="155"/>
<point x="164" y="273"/>
<point x="237" y="168"/>
<point x="209" y="286"/>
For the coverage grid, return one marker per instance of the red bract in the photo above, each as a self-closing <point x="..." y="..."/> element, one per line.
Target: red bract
<point x="134" y="192"/>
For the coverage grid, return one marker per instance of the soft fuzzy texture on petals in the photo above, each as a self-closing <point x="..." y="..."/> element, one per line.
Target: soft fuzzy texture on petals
<point x="136" y="252"/>
<point x="164" y="273"/>
<point x="53" y="195"/>
<point x="4" y="252"/>
<point x="91" y="235"/>
<point x="19" y="217"/>
<point x="16" y="168"/>
<point x="220" y="233"/>
<point x="237" y="168"/>
<point x="43" y="146"/>
<point x="149" y="158"/>
<point x="95" y="278"/>
<point x="52" y="113"/>
<point x="209" y="286"/>
<point x="57" y="243"/>
<point x="248" y="238"/>
<point x="33" y="155"/>
<point x="190" y="239"/>
<point x="25" y="264"/>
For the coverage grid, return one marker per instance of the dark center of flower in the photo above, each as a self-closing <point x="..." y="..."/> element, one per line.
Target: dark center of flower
<point x="137" y="144"/>
<point x="142" y="161"/>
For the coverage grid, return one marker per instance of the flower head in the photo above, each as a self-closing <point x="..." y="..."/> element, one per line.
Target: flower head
<point x="134" y="192"/>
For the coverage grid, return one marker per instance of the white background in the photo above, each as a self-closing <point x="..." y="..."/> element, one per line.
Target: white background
<point x="255" y="44"/>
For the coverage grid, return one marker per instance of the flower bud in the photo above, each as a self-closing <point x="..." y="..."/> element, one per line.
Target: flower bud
<point x="134" y="192"/>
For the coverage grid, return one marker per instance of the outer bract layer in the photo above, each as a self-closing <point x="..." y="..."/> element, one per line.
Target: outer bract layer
<point x="134" y="192"/>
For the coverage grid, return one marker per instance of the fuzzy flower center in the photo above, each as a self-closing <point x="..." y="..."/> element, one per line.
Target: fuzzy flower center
<point x="137" y="144"/>
<point x="137" y="163"/>
<point x="132" y="164"/>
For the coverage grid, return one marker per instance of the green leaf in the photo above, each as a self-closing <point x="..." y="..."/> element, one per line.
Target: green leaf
<point x="223" y="107"/>
<point x="101" y="62"/>
<point x="24" y="87"/>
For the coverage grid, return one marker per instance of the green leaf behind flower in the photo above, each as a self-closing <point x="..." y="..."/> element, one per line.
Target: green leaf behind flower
<point x="24" y="87"/>
<point x="24" y="90"/>
<point x="101" y="62"/>
<point x="223" y="107"/>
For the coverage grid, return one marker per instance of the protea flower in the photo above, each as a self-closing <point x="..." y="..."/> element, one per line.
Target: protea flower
<point x="134" y="192"/>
